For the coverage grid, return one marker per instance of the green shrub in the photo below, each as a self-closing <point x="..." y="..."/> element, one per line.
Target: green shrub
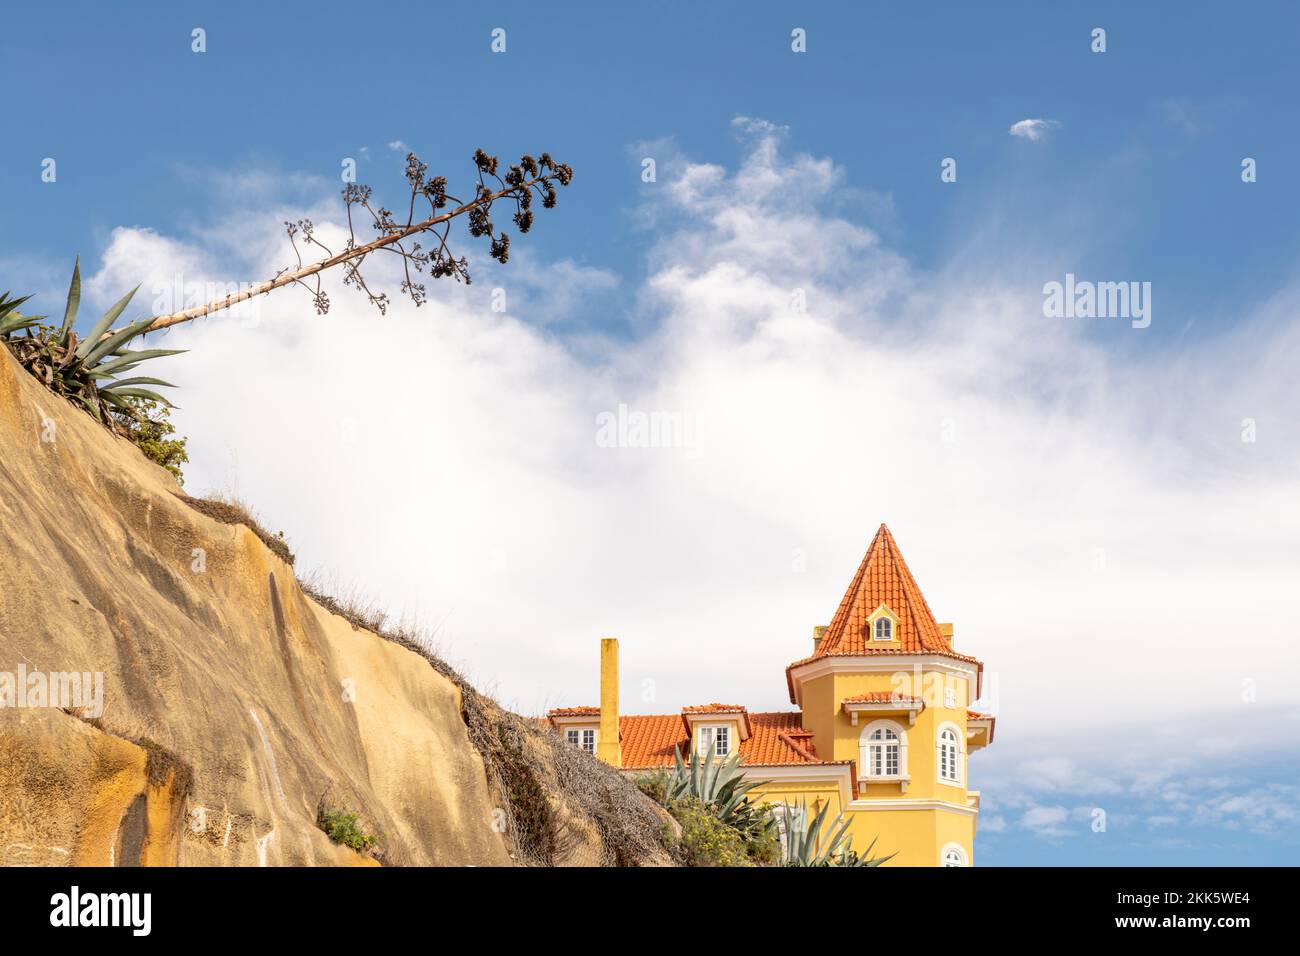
<point x="705" y="840"/>
<point x="718" y="783"/>
<point x="762" y="839"/>
<point x="342" y="827"/>
<point x="147" y="424"/>
<point x="654" y="785"/>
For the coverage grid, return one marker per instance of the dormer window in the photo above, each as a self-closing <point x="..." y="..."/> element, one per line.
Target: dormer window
<point x="582" y="739"/>
<point x="882" y="625"/>
<point x="713" y="736"/>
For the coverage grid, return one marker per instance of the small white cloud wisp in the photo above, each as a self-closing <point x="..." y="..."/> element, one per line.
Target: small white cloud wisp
<point x="1033" y="129"/>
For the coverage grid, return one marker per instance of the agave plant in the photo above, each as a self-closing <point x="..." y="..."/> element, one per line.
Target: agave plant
<point x="820" y="845"/>
<point x="11" y="320"/>
<point x="719" y="785"/>
<point x="84" y="370"/>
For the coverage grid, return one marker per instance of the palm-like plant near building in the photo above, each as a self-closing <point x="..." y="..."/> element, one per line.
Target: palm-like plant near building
<point x="818" y="844"/>
<point x="718" y="783"/>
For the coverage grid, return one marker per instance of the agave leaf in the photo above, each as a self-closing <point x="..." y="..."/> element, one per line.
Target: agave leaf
<point x="74" y="300"/>
<point x="131" y="359"/>
<point x="678" y="781"/>
<point x="816" y="825"/>
<point x="104" y="324"/>
<point x="119" y="384"/>
<point x="7" y="304"/>
<point x="795" y="834"/>
<point x="136" y="393"/>
<point x="836" y="840"/>
<point x="116" y="340"/>
<point x="90" y="406"/>
<point x="16" y="322"/>
<point x="809" y="856"/>
<point x="708" y="774"/>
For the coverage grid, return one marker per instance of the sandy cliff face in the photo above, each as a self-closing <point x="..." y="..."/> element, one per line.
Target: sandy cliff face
<point x="231" y="703"/>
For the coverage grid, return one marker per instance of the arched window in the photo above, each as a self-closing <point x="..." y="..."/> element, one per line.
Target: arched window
<point x="884" y="629"/>
<point x="953" y="855"/>
<point x="949" y="756"/>
<point x="884" y="751"/>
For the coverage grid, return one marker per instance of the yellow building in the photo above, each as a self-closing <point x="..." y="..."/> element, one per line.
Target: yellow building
<point x="882" y="733"/>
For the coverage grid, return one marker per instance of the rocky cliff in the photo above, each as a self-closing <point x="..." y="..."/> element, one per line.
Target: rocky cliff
<point x="233" y="707"/>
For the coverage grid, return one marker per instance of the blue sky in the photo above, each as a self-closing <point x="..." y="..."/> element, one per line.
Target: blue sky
<point x="1105" y="463"/>
<point x="1146" y="162"/>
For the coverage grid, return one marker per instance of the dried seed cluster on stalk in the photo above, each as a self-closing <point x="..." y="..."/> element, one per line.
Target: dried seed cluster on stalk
<point x="531" y="178"/>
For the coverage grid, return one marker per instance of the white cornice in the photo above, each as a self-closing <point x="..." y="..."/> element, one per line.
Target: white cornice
<point x="718" y="717"/>
<point x="576" y="719"/>
<point x="912" y="803"/>
<point x="873" y="664"/>
<point x="909" y="707"/>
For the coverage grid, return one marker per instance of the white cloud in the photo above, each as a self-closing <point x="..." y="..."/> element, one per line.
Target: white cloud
<point x="398" y="146"/>
<point x="1063" y="773"/>
<point x="1006" y="451"/>
<point x="1033" y="129"/>
<point x="1047" y="821"/>
<point x="1263" y="809"/>
<point x="135" y="253"/>
<point x="1153" y="781"/>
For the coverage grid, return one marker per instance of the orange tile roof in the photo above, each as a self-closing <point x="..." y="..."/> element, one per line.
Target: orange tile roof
<point x="881" y="697"/>
<point x="650" y="741"/>
<point x="698" y="709"/>
<point x="882" y="578"/>
<point x="714" y="709"/>
<point x="778" y="739"/>
<point x="574" y="712"/>
<point x="775" y="739"/>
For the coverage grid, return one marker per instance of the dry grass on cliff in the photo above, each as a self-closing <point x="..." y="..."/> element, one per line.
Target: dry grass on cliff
<point x="230" y="510"/>
<point x="560" y="805"/>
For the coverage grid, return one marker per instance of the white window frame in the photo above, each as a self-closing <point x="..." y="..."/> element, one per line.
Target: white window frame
<point x="882" y="613"/>
<point x="576" y="737"/>
<point x="963" y="858"/>
<point x="712" y="731"/>
<point x="957" y="761"/>
<point x="866" y="745"/>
